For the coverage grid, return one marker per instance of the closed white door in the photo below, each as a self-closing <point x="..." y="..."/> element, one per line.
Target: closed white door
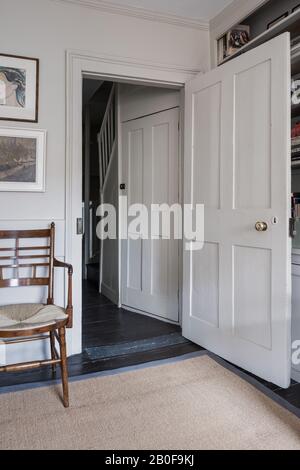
<point x="150" y="172"/>
<point x="237" y="289"/>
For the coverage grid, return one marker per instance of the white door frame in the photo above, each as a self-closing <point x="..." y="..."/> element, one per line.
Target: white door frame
<point x="79" y="64"/>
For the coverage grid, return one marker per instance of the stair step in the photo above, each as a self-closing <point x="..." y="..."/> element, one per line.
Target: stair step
<point x="93" y="272"/>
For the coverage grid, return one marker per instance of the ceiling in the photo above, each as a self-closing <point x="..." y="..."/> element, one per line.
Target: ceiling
<point x="196" y="9"/>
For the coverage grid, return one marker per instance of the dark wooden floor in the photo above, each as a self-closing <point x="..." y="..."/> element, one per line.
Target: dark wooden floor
<point x="104" y="324"/>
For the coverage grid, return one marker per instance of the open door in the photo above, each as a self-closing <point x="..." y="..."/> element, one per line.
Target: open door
<point x="237" y="289"/>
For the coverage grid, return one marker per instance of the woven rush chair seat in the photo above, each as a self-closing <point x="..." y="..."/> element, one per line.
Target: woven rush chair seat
<point x="27" y="259"/>
<point x="30" y="316"/>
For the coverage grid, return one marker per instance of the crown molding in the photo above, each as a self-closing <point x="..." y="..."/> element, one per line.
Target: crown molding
<point x="141" y="13"/>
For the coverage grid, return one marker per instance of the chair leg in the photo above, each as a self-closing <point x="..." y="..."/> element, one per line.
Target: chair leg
<point x="52" y="345"/>
<point x="64" y="369"/>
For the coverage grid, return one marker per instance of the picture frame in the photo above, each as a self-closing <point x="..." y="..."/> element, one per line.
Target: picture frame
<point x="19" y="88"/>
<point x="277" y="20"/>
<point x="22" y="159"/>
<point x="236" y="38"/>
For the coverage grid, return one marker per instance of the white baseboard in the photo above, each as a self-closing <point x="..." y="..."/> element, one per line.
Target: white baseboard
<point x="110" y="293"/>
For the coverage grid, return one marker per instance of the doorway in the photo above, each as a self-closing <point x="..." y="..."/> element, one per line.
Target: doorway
<point x="130" y="302"/>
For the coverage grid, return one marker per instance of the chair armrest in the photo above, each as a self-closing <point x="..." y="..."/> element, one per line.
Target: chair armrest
<point x="61" y="264"/>
<point x="69" y="308"/>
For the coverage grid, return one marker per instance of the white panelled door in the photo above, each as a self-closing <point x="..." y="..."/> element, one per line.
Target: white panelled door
<point x="151" y="172"/>
<point x="237" y="289"/>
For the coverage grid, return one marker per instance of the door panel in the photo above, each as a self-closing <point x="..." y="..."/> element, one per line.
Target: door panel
<point x="205" y="284"/>
<point x="134" y="264"/>
<point x="252" y="156"/>
<point x="150" y="171"/>
<point x="135" y="165"/>
<point x="206" y="109"/>
<point x="237" y="289"/>
<point x="252" y="301"/>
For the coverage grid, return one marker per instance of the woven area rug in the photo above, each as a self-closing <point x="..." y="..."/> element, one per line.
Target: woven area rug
<point x="191" y="404"/>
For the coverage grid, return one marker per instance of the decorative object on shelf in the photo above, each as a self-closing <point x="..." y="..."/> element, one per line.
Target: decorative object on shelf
<point x="295" y="142"/>
<point x="19" y="80"/>
<point x="22" y="159"/>
<point x="236" y="38"/>
<point x="295" y="90"/>
<point x="295" y="42"/>
<point x="277" y="20"/>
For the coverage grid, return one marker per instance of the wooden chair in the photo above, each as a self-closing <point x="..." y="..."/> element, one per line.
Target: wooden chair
<point x="28" y="322"/>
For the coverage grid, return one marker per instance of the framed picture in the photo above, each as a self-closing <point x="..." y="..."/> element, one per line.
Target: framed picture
<point x="237" y="37"/>
<point x="22" y="159"/>
<point x="280" y="18"/>
<point x="19" y="83"/>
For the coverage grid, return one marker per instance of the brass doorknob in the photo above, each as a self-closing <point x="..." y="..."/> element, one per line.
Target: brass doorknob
<point x="261" y="226"/>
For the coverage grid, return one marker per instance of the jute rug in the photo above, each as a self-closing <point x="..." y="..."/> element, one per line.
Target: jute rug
<point x="191" y="404"/>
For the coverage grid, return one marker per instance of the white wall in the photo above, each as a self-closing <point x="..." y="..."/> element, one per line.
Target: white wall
<point x="138" y="101"/>
<point x="46" y="29"/>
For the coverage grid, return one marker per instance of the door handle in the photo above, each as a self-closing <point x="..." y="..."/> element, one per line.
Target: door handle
<point x="261" y="226"/>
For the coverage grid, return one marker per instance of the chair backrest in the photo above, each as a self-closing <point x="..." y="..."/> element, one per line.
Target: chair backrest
<point x="27" y="257"/>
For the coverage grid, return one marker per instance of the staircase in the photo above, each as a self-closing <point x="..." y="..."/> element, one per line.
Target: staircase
<point x="101" y="116"/>
<point x="107" y="139"/>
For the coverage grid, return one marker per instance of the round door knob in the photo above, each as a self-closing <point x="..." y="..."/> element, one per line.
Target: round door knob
<point x="261" y="226"/>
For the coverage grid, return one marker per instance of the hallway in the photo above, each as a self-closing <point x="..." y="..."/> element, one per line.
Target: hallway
<point x="104" y="325"/>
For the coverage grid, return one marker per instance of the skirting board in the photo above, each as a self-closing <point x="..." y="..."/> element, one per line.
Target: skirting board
<point x="111" y="294"/>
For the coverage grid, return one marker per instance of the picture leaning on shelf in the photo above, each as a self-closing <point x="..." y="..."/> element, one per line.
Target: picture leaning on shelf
<point x="232" y="41"/>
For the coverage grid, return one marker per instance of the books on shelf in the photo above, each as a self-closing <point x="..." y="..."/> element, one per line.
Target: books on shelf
<point x="295" y="148"/>
<point x="295" y="205"/>
<point x="295" y="90"/>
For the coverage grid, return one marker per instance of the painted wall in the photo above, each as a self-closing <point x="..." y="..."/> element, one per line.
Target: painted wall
<point x="46" y="29"/>
<point x="138" y="101"/>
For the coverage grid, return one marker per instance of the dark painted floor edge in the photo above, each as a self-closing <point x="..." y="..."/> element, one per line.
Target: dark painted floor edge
<point x="259" y="386"/>
<point x="104" y="373"/>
